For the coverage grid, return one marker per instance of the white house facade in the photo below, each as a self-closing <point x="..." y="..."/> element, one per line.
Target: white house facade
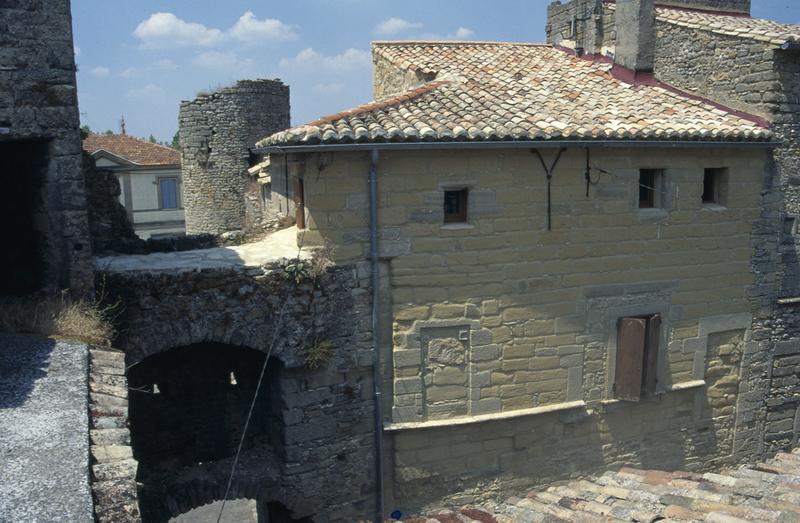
<point x="150" y="181"/>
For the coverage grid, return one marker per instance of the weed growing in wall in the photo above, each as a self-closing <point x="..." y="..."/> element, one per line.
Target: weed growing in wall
<point x="318" y="354"/>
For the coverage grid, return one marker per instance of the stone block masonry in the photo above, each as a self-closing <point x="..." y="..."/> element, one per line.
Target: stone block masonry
<point x="310" y="447"/>
<point x="113" y="469"/>
<point x="217" y="130"/>
<point x="43" y="212"/>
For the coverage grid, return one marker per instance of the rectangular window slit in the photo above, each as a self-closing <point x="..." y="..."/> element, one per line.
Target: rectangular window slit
<point x="455" y="206"/>
<point x="650" y="188"/>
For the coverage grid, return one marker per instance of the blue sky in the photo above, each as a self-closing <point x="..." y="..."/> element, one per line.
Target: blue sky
<point x="141" y="58"/>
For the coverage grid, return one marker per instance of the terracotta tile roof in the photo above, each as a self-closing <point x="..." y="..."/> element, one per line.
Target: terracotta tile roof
<point x="763" y="492"/>
<point x="506" y="91"/>
<point x="138" y="151"/>
<point x="768" y="31"/>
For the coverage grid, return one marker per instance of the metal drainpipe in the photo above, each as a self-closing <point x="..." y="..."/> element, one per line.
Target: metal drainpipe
<point x="286" y="180"/>
<point x="376" y="358"/>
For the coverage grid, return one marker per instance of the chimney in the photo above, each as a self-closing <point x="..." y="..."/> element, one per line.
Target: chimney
<point x="636" y="35"/>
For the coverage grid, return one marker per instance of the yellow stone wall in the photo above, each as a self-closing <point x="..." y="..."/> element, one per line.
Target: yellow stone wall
<point x="501" y="317"/>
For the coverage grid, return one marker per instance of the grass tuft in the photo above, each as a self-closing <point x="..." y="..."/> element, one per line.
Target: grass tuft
<point x="60" y="317"/>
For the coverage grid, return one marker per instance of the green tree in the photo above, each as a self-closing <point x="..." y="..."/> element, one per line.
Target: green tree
<point x="176" y="141"/>
<point x="152" y="139"/>
<point x="85" y="131"/>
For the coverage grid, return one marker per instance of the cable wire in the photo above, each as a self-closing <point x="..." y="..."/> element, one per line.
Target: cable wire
<point x="275" y="331"/>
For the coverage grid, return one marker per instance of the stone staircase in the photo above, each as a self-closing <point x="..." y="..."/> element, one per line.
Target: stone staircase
<point x="113" y="467"/>
<point x="767" y="491"/>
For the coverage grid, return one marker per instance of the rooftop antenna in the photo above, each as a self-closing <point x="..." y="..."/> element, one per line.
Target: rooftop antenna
<point x="122" y="124"/>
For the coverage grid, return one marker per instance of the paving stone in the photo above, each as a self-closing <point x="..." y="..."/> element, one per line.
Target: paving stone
<point x="761" y="492"/>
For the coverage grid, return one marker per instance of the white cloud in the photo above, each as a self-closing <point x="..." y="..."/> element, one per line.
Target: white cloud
<point x="310" y="60"/>
<point x="165" y="65"/>
<point x="331" y="88"/>
<point x="100" y="71"/>
<point x="167" y="30"/>
<point x="250" y="29"/>
<point x="77" y="51"/>
<point x="394" y="25"/>
<point x="162" y="30"/>
<point x="158" y="65"/>
<point x="221" y="61"/>
<point x="146" y="91"/>
<point x="462" y="33"/>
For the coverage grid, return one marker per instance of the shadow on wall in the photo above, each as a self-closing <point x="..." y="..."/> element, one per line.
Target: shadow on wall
<point x="23" y="361"/>
<point x="23" y="216"/>
<point x="188" y="408"/>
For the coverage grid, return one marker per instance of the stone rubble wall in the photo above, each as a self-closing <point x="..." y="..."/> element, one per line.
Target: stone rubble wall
<point x="389" y="79"/>
<point x="113" y="468"/>
<point x="38" y="100"/>
<point x="323" y="465"/>
<point x="216" y="132"/>
<point x="109" y="224"/>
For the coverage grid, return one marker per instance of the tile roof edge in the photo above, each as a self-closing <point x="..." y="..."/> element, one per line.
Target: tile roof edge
<point x="738" y="14"/>
<point x="376" y="43"/>
<point x="636" y="79"/>
<point x="379" y="104"/>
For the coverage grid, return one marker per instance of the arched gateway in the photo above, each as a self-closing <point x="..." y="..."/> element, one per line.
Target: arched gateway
<point x="195" y="344"/>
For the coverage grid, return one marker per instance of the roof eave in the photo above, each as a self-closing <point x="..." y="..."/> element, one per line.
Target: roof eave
<point x="508" y="144"/>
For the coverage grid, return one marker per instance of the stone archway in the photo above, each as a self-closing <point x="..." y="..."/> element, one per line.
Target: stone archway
<point x="320" y="465"/>
<point x="188" y="407"/>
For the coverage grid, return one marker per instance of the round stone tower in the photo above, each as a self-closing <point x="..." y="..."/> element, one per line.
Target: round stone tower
<point x="217" y="130"/>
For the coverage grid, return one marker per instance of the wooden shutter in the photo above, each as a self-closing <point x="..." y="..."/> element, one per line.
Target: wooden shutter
<point x="630" y="355"/>
<point x="299" y="204"/>
<point x="650" y="374"/>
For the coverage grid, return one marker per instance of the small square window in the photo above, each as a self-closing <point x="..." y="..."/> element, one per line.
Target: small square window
<point x="636" y="371"/>
<point x="455" y="206"/>
<point x="714" y="185"/>
<point x="650" y="188"/>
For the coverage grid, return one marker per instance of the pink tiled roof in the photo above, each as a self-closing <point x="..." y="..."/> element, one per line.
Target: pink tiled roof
<point x="135" y="150"/>
<point x="504" y="91"/>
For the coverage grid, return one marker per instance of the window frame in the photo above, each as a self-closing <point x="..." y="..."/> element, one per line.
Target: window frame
<point x="636" y="373"/>
<point x="719" y="178"/>
<point x="178" y="202"/>
<point x="461" y="216"/>
<point x="654" y="187"/>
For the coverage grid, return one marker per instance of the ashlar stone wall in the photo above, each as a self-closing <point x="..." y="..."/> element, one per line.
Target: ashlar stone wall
<point x="504" y="333"/>
<point x="217" y="130"/>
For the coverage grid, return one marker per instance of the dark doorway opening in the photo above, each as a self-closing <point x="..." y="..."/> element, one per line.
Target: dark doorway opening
<point x="189" y="405"/>
<point x="274" y="512"/>
<point x="23" y="218"/>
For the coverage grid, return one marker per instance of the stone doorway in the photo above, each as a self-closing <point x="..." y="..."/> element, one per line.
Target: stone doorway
<point x="23" y="218"/>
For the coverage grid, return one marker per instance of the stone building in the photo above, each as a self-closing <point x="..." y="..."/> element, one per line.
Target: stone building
<point x="217" y="130"/>
<point x="581" y="257"/>
<point x="713" y="48"/>
<point x="149" y="176"/>
<point x="42" y="202"/>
